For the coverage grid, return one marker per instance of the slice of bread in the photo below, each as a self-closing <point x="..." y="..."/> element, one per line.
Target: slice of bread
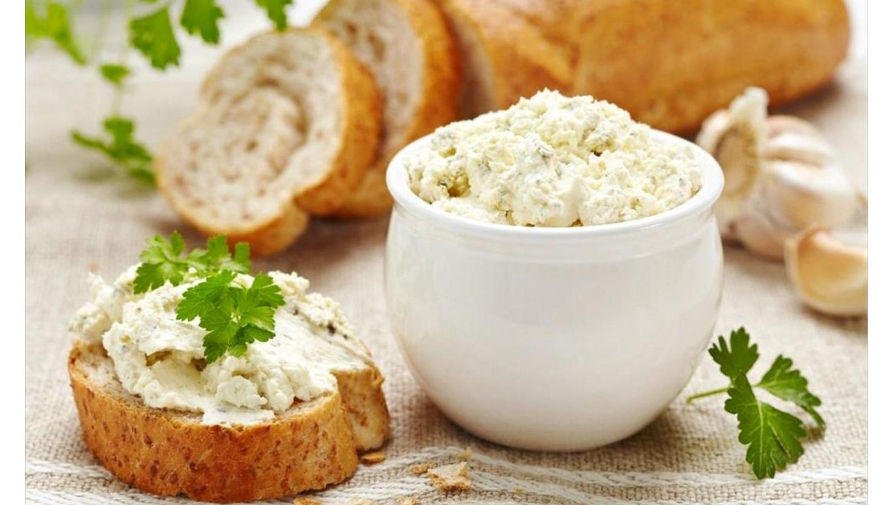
<point x="407" y="45"/>
<point x="287" y="125"/>
<point x="511" y="49"/>
<point x="167" y="452"/>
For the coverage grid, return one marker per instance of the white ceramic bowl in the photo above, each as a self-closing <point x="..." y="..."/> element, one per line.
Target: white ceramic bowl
<point x="553" y="338"/>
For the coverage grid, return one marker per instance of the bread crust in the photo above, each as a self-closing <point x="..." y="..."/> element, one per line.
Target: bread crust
<point x="363" y="400"/>
<point x="171" y="453"/>
<point x="266" y="238"/>
<point x="671" y="63"/>
<point x="436" y="103"/>
<point x="517" y="56"/>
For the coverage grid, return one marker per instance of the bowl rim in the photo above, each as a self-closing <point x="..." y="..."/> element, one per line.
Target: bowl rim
<point x="712" y="179"/>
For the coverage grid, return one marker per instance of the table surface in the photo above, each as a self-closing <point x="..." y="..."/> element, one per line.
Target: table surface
<point x="83" y="215"/>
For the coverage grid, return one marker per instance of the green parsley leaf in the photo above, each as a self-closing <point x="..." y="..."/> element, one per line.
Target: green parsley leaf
<point x="275" y="10"/>
<point x="153" y="36"/>
<point x="160" y="263"/>
<point x="738" y="358"/>
<point x="772" y="436"/>
<point x="114" y="73"/>
<point x="202" y="17"/>
<point x="122" y="148"/>
<point x="53" y="23"/>
<point x="234" y="316"/>
<point x="217" y="256"/>
<point x="205" y="297"/>
<point x="163" y="261"/>
<point x="786" y="383"/>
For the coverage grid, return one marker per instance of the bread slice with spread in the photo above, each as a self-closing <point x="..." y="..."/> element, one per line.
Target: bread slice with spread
<point x="264" y="418"/>
<point x="406" y="44"/>
<point x="286" y="126"/>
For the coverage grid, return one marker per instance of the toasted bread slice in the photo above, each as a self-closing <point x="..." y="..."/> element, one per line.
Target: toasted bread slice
<point x="287" y="124"/>
<point x="167" y="452"/>
<point x="407" y="46"/>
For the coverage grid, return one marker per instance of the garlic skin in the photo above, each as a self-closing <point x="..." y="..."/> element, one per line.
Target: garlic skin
<point x="781" y="175"/>
<point x="830" y="276"/>
<point x="735" y="137"/>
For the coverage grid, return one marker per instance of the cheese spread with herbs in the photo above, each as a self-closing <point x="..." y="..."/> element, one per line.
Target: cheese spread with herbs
<point x="552" y="160"/>
<point x="161" y="359"/>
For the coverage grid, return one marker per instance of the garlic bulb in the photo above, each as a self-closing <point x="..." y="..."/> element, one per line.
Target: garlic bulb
<point x="780" y="175"/>
<point x="829" y="274"/>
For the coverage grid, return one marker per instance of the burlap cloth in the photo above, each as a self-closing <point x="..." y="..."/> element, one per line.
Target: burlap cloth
<point x="82" y="215"/>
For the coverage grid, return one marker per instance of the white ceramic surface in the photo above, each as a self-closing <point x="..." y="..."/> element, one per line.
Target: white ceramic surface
<point x="553" y="338"/>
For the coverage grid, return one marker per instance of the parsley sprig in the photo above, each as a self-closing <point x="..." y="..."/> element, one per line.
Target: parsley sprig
<point x="234" y="315"/>
<point x="121" y="148"/>
<point x="772" y="436"/>
<point x="153" y="33"/>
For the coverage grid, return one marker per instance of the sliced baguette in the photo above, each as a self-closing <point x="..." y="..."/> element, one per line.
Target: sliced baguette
<point x="511" y="49"/>
<point x="287" y="125"/>
<point x="167" y="452"/>
<point x="407" y="45"/>
<point x="671" y="63"/>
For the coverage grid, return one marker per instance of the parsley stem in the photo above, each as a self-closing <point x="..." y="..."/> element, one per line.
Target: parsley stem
<point x="711" y="392"/>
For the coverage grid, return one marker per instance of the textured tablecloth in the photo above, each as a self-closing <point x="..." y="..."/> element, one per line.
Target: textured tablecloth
<point x="83" y="215"/>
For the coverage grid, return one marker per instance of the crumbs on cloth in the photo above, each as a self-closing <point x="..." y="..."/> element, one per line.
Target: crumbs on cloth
<point x="454" y="477"/>
<point x="373" y="457"/>
<point x="420" y="469"/>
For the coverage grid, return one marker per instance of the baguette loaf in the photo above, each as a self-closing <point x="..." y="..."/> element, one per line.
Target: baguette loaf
<point x="287" y="125"/>
<point x="673" y="62"/>
<point x="407" y="46"/>
<point x="168" y="452"/>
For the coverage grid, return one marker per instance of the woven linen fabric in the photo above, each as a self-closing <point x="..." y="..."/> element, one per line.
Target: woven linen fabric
<point x="82" y="215"/>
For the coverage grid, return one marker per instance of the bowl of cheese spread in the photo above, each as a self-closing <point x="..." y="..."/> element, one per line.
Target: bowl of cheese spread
<point x="553" y="270"/>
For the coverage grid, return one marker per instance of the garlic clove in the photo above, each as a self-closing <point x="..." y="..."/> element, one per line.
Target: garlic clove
<point x="804" y="145"/>
<point x="809" y="195"/>
<point x="735" y="137"/>
<point x="829" y="275"/>
<point x="761" y="235"/>
<point x="790" y="124"/>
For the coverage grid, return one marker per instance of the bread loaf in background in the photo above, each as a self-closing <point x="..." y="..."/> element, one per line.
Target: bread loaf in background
<point x="288" y="124"/>
<point x="668" y="62"/>
<point x="673" y="62"/>
<point x="407" y="46"/>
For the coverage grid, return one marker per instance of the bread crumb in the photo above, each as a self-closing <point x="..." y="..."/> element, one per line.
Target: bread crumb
<point x="361" y="501"/>
<point x="301" y="500"/>
<point x="454" y="477"/>
<point x="466" y="454"/>
<point x="409" y="500"/>
<point x="373" y="457"/>
<point x="420" y="469"/>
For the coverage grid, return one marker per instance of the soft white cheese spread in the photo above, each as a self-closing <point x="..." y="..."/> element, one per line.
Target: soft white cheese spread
<point x="552" y="160"/>
<point x="161" y="359"/>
